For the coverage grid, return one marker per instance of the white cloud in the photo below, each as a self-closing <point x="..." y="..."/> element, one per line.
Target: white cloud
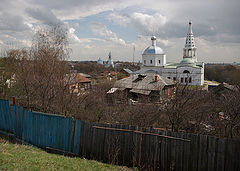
<point x="145" y="23"/>
<point x="214" y="26"/>
<point x="43" y="15"/>
<point x="102" y="31"/>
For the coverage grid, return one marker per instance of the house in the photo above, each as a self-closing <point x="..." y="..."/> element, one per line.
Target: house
<point x="109" y="74"/>
<point x="77" y="82"/>
<point x="144" y="87"/>
<point x="224" y="88"/>
<point x="126" y="72"/>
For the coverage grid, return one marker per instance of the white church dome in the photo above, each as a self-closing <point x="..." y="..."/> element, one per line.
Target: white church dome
<point x="152" y="50"/>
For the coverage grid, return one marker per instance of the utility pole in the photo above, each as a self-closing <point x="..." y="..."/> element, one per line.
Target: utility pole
<point x="133" y="53"/>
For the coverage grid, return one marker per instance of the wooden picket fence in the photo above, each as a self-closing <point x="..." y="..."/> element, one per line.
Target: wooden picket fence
<point x="146" y="149"/>
<point x="149" y="149"/>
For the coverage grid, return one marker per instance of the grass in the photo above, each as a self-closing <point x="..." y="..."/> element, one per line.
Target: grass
<point x="22" y="157"/>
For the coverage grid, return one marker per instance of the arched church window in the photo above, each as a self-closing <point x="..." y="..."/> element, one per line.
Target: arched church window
<point x="151" y="61"/>
<point x="144" y="61"/>
<point x="159" y="61"/>
<point x="186" y="72"/>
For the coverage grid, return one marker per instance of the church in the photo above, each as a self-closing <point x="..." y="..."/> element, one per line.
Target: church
<point x="188" y="72"/>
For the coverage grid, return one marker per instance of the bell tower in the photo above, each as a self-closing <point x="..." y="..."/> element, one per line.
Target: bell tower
<point x="189" y="51"/>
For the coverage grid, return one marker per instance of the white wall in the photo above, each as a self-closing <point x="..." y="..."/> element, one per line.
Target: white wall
<point x="196" y="75"/>
<point x="155" y="60"/>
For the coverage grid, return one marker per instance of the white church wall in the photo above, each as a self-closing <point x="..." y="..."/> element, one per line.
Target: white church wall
<point x="194" y="77"/>
<point x="154" y="60"/>
<point x="191" y="78"/>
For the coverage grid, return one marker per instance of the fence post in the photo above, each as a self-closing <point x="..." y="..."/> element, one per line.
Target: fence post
<point x="73" y="134"/>
<point x="14" y="101"/>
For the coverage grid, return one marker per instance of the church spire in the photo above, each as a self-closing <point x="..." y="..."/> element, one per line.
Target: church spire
<point x="190" y="28"/>
<point x="189" y="51"/>
<point x="153" y="38"/>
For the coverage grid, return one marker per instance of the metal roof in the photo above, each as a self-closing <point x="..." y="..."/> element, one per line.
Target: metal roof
<point x="144" y="82"/>
<point x="127" y="70"/>
<point x="152" y="50"/>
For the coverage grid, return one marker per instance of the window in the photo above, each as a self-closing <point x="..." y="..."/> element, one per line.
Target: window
<point x="186" y="80"/>
<point x="144" y="61"/>
<point x="186" y="72"/>
<point x="190" y="79"/>
<point x="174" y="78"/>
<point x="182" y="80"/>
<point x="169" y="77"/>
<point x="151" y="61"/>
<point x="159" y="61"/>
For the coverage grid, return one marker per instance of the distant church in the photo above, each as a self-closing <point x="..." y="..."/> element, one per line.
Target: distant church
<point x="109" y="62"/>
<point x="188" y="71"/>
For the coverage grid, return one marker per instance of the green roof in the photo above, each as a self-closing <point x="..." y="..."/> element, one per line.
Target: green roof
<point x="186" y="62"/>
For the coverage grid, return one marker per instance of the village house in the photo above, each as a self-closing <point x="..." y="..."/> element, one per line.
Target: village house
<point x="126" y="72"/>
<point x="78" y="82"/>
<point x="144" y="88"/>
<point x="224" y="88"/>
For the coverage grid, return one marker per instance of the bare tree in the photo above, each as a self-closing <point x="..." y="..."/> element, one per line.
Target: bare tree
<point x="186" y="109"/>
<point x="41" y="70"/>
<point x="227" y="114"/>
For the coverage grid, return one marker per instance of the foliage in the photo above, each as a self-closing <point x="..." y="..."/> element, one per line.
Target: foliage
<point x="21" y="157"/>
<point x="128" y="65"/>
<point x="91" y="68"/>
<point x="223" y="73"/>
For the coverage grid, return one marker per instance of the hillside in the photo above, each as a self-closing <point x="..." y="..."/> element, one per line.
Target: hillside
<point x="21" y="157"/>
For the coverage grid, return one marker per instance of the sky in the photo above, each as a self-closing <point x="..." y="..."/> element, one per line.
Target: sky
<point x="96" y="27"/>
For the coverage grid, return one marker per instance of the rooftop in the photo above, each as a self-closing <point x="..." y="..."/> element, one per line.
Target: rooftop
<point x="144" y="82"/>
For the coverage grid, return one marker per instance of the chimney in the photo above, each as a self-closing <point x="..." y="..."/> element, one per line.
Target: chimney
<point x="156" y="78"/>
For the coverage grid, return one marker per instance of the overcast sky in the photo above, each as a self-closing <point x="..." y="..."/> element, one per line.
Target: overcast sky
<point x="96" y="27"/>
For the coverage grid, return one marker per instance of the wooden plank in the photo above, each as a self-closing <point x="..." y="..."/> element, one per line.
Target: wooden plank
<point x="141" y="132"/>
<point x="98" y="142"/>
<point x="229" y="153"/>
<point x="202" y="153"/>
<point x="220" y="154"/>
<point x="60" y="152"/>
<point x="186" y="153"/>
<point x="135" y="157"/>
<point x="161" y="151"/>
<point x="193" y="163"/>
<point x="236" y="156"/>
<point x="105" y="143"/>
<point x="174" y="157"/>
<point x="88" y="140"/>
<point x="211" y="153"/>
<point x="131" y="147"/>
<point x="155" y="151"/>
<point x="124" y="145"/>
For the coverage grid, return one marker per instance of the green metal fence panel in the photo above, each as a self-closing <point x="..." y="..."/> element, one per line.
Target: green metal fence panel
<point x="6" y="119"/>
